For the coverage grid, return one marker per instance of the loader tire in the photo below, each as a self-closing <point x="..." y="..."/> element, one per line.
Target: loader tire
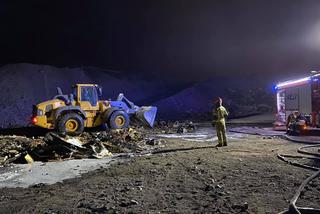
<point x="119" y="120"/>
<point x="70" y="124"/>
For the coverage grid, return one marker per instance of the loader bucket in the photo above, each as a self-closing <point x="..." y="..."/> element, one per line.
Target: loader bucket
<point x="147" y="115"/>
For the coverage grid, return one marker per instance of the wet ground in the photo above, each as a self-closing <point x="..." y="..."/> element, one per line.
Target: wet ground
<point x="204" y="134"/>
<point x="245" y="177"/>
<point x="25" y="175"/>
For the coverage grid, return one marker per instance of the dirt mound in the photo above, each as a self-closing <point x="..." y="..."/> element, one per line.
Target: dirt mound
<point x="24" y="85"/>
<point x="241" y="96"/>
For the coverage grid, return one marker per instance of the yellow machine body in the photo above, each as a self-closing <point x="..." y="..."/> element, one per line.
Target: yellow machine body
<point x="47" y="112"/>
<point x="71" y="113"/>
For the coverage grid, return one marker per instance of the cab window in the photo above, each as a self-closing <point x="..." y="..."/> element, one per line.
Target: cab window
<point x="89" y="94"/>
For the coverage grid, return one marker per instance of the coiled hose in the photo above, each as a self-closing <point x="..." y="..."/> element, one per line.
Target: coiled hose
<point x="292" y="207"/>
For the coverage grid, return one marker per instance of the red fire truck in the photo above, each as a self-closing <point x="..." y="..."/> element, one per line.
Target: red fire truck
<point x="302" y="95"/>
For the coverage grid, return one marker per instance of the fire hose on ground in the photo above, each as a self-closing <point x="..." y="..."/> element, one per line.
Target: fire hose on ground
<point x="316" y="156"/>
<point x="163" y="151"/>
<point x="292" y="207"/>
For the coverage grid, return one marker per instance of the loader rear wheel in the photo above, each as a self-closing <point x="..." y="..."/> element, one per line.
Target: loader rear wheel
<point x="119" y="120"/>
<point x="70" y="124"/>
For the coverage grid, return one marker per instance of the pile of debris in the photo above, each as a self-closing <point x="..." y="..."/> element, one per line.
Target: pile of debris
<point x="87" y="145"/>
<point x="117" y="140"/>
<point x="14" y="147"/>
<point x="168" y="127"/>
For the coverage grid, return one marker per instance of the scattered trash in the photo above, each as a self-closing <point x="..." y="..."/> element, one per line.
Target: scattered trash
<point x="182" y="130"/>
<point x="125" y="203"/>
<point x="28" y="158"/>
<point x="53" y="147"/>
<point x="155" y="142"/>
<point x="75" y="141"/>
<point x="100" y="151"/>
<point x="167" y="127"/>
<point x="13" y="147"/>
<point x="243" y="207"/>
<point x="176" y="124"/>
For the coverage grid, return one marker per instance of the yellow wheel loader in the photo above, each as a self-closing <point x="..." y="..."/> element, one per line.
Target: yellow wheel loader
<point x="70" y="114"/>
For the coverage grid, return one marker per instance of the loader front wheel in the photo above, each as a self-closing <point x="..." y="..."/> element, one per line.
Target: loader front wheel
<point x="70" y="124"/>
<point x="119" y="120"/>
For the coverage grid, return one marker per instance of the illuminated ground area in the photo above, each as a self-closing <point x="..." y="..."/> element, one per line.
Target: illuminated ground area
<point x="244" y="177"/>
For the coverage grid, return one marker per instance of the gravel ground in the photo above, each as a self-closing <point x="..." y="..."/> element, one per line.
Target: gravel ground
<point x="245" y="177"/>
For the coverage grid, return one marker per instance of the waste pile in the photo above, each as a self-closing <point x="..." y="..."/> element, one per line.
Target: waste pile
<point x="13" y="147"/>
<point x="53" y="147"/>
<point x="117" y="140"/>
<point x="168" y="127"/>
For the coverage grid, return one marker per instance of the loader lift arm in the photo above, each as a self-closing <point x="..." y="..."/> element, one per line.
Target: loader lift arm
<point x="144" y="114"/>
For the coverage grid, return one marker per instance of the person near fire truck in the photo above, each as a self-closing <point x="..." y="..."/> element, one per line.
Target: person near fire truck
<point x="296" y="123"/>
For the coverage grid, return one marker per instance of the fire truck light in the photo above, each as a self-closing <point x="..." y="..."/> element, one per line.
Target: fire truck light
<point x="293" y="82"/>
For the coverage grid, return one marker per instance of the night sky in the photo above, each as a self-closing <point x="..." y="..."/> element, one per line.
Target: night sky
<point x="186" y="40"/>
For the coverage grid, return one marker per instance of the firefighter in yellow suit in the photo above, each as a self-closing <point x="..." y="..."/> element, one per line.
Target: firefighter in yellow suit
<point x="220" y="114"/>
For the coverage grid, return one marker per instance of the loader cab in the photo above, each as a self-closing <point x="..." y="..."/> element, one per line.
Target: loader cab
<point x="87" y="96"/>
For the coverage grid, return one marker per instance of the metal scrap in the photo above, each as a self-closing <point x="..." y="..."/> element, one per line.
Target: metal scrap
<point x="13" y="147"/>
<point x="53" y="147"/>
<point x="169" y="127"/>
<point x="100" y="151"/>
